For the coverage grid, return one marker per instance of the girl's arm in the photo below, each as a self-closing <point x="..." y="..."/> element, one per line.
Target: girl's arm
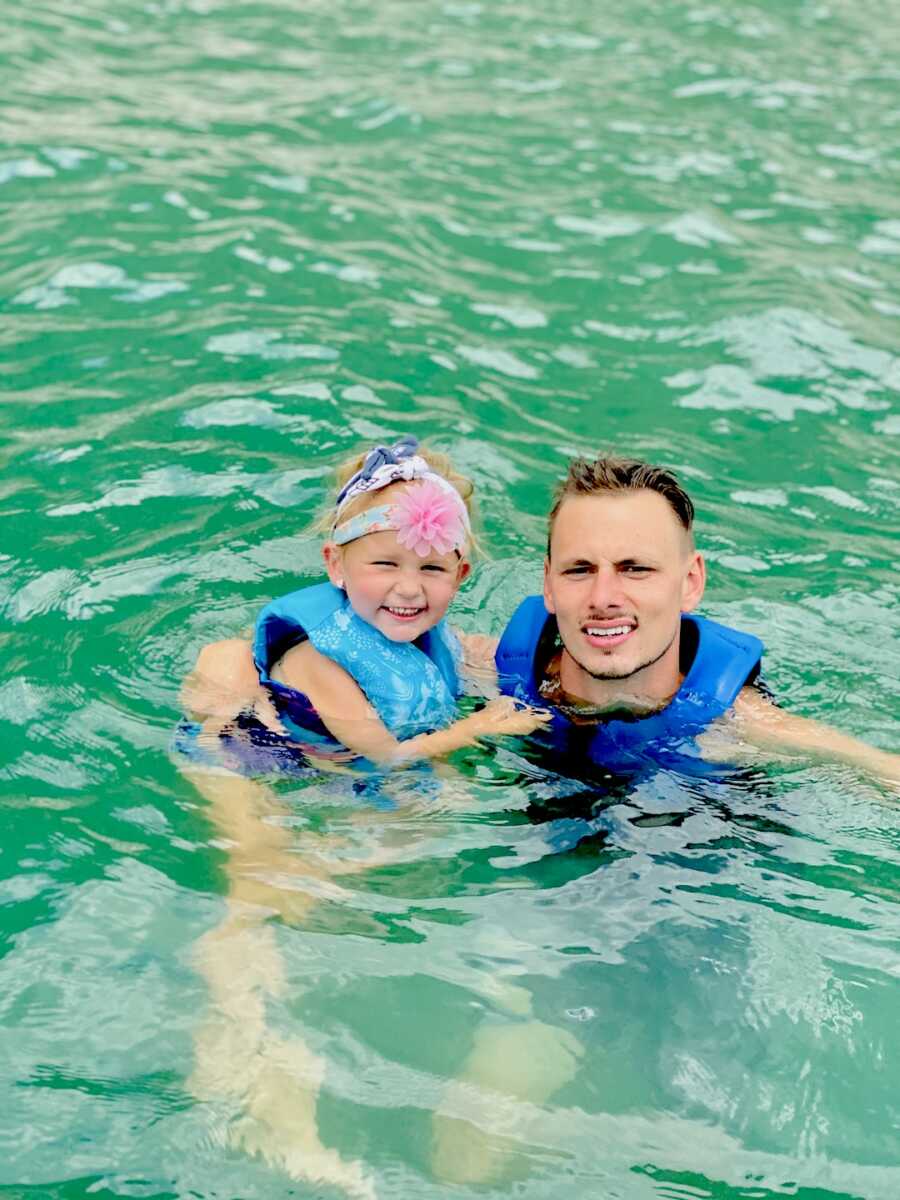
<point x="333" y="691"/>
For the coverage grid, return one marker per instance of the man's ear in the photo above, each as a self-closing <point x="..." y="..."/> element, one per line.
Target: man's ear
<point x="694" y="582"/>
<point x="333" y="563"/>
<point x="548" y="598"/>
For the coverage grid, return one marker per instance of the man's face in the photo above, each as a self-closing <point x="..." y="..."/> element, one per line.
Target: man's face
<point x="622" y="570"/>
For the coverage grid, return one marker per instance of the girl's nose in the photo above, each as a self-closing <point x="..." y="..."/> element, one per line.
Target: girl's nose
<point x="409" y="584"/>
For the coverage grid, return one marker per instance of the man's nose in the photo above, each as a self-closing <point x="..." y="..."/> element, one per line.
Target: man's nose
<point x="606" y="589"/>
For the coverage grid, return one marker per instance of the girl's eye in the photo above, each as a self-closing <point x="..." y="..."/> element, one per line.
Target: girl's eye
<point x="383" y="562"/>
<point x="435" y="567"/>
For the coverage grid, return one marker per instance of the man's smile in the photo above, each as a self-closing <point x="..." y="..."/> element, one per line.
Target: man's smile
<point x="605" y="634"/>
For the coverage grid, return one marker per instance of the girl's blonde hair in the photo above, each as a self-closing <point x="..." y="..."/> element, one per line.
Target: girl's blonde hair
<point x="439" y="462"/>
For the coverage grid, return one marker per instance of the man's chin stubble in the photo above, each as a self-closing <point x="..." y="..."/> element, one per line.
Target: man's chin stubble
<point x="611" y="676"/>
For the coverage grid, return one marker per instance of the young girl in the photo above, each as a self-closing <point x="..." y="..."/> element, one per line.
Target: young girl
<point x="363" y="663"/>
<point x="367" y="659"/>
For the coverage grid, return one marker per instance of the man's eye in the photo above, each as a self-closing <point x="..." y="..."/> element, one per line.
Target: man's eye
<point x="576" y="570"/>
<point x="637" y="569"/>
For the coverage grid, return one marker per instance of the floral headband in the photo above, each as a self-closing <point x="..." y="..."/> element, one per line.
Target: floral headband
<point x="429" y="517"/>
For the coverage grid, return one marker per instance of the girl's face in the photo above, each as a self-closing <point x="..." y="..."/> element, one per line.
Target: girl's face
<point x="393" y="588"/>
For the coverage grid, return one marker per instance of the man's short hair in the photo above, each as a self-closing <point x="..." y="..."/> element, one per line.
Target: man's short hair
<point x="611" y="474"/>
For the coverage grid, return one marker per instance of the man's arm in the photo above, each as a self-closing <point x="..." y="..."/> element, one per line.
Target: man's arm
<point x="478" y="650"/>
<point x="759" y="721"/>
<point x="478" y="669"/>
<point x="224" y="683"/>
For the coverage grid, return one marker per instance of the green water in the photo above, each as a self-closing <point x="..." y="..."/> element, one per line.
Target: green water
<point x="237" y="241"/>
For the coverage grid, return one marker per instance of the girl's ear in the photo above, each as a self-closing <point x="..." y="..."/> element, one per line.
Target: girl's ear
<point x="463" y="571"/>
<point x="333" y="563"/>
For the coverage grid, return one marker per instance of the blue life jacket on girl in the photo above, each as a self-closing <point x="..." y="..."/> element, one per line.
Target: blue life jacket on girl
<point x="724" y="661"/>
<point x="412" y="686"/>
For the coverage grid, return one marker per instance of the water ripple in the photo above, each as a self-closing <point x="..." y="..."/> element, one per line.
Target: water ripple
<point x="239" y="241"/>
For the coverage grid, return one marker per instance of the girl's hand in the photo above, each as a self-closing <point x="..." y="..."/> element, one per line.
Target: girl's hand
<point x="505" y="716"/>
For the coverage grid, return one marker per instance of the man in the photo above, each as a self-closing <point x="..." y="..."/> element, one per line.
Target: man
<point x="630" y="676"/>
<point x="634" y="683"/>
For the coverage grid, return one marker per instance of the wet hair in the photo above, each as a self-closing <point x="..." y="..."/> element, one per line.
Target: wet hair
<point x="605" y="475"/>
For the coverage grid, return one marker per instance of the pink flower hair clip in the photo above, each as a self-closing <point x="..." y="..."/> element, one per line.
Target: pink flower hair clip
<point x="429" y="517"/>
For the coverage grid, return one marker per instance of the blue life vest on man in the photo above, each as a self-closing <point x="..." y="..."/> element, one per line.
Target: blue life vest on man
<point x="724" y="661"/>
<point x="412" y="686"/>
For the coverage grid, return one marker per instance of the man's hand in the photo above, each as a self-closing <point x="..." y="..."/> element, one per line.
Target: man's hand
<point x="225" y="683"/>
<point x="478" y="650"/>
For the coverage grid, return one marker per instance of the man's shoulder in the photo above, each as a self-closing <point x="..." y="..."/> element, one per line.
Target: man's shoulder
<point x="717" y="661"/>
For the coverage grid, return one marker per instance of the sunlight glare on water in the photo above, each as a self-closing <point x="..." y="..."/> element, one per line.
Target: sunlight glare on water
<point x="241" y="240"/>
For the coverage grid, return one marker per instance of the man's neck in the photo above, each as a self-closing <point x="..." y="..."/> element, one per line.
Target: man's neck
<point x="646" y="691"/>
